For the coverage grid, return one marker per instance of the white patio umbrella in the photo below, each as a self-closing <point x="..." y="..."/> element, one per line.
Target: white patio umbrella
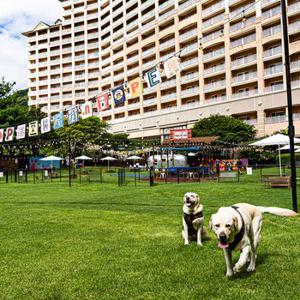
<point x="287" y="147"/>
<point x="276" y="140"/>
<point x="108" y="159"/>
<point x="83" y="158"/>
<point x="134" y="158"/>
<point x="51" y="158"/>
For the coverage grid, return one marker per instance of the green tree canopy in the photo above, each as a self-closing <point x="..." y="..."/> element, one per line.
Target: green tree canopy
<point x="228" y="129"/>
<point x="14" y="107"/>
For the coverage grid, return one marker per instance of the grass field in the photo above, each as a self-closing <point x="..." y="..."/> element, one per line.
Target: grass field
<point x="107" y="242"/>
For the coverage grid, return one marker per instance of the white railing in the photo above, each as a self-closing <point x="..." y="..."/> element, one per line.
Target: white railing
<point x="275" y="87"/>
<point x="189" y="62"/>
<point x="213" y="8"/>
<point x="274" y="69"/>
<point x="213" y="20"/>
<point x="244" y="77"/>
<point x="243" y="60"/>
<point x="215" y="85"/>
<point x="272" y="30"/>
<point x="214" y="69"/>
<point x="190" y="33"/>
<point x="273" y="51"/>
<point x="245" y="93"/>
<point x="214" y="53"/>
<point x="212" y="36"/>
<point x="242" y="24"/>
<point x="243" y="41"/>
<point x="271" y="12"/>
<point x="276" y="119"/>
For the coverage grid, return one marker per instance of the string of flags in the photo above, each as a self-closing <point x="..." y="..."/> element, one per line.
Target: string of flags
<point x="118" y="95"/>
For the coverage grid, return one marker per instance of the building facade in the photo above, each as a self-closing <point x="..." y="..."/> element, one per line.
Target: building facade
<point x="231" y="62"/>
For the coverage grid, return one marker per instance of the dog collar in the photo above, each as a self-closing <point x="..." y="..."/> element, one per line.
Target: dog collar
<point x="241" y="233"/>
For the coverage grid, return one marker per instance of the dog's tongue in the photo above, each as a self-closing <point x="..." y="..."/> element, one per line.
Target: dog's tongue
<point x="223" y="246"/>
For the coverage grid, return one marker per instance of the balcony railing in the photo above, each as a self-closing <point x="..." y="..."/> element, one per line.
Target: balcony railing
<point x="276" y="119"/>
<point x="243" y="60"/>
<point x="272" y="30"/>
<point x="214" y="69"/>
<point x="271" y="12"/>
<point x="274" y="87"/>
<point x="215" y="85"/>
<point x="243" y="41"/>
<point x="245" y="93"/>
<point x="213" y="20"/>
<point x="244" y="77"/>
<point x="213" y="8"/>
<point x="273" y="51"/>
<point x="214" y="53"/>
<point x="275" y="69"/>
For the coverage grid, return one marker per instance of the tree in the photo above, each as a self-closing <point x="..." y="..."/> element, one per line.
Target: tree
<point x="14" y="107"/>
<point x="89" y="131"/>
<point x="228" y="129"/>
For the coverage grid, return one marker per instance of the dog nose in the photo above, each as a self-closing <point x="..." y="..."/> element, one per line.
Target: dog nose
<point x="187" y="198"/>
<point x="222" y="236"/>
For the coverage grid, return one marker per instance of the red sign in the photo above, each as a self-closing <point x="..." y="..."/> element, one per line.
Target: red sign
<point x="180" y="134"/>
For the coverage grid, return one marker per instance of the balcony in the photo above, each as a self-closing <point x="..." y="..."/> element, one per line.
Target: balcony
<point x="294" y="7"/>
<point x="274" y="87"/>
<point x="243" y="41"/>
<point x="243" y="60"/>
<point x="167" y="84"/>
<point x="216" y="99"/>
<point x="189" y="77"/>
<point x="273" y="70"/>
<point x="215" y="85"/>
<point x="214" y="54"/>
<point x="276" y="119"/>
<point x="294" y="27"/>
<point x="188" y="63"/>
<point x="212" y="36"/>
<point x="295" y="65"/>
<point x="272" y="30"/>
<point x="246" y="76"/>
<point x="245" y="93"/>
<point x="190" y="92"/>
<point x="215" y="69"/>
<point x="212" y="21"/>
<point x="188" y="34"/>
<point x="275" y="11"/>
<point x="168" y="97"/>
<point x="167" y="44"/>
<point x="273" y="51"/>
<point x="207" y="11"/>
<point x="242" y="24"/>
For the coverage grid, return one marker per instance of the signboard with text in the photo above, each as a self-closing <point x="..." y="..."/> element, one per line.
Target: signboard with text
<point x="180" y="134"/>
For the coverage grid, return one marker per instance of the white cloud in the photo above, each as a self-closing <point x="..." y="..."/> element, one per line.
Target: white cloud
<point x="17" y="16"/>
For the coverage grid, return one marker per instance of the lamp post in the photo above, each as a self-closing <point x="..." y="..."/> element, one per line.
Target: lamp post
<point x="291" y="128"/>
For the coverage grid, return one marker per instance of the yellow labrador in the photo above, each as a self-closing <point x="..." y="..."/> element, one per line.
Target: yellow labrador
<point x="192" y="219"/>
<point x="238" y="227"/>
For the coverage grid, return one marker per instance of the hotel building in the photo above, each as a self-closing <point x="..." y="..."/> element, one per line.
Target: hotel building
<point x="231" y="63"/>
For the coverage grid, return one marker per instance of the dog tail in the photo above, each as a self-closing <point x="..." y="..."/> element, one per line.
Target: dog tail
<point x="283" y="212"/>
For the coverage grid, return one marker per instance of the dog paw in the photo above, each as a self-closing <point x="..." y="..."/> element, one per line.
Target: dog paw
<point x="236" y="269"/>
<point x="229" y="274"/>
<point x="250" y="268"/>
<point x="186" y="243"/>
<point x="199" y="244"/>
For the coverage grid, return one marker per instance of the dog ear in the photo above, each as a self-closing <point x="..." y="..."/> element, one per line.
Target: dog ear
<point x="198" y="198"/>
<point x="235" y="223"/>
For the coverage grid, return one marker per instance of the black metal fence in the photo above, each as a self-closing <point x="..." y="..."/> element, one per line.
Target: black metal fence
<point x="138" y="176"/>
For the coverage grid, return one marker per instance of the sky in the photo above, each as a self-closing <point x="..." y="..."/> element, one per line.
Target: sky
<point x="17" y="16"/>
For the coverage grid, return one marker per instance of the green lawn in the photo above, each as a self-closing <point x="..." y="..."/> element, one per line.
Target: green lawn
<point x="98" y="241"/>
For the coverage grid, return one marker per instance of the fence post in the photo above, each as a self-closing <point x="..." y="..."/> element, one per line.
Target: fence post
<point x="79" y="175"/>
<point x="26" y="176"/>
<point x="16" y="175"/>
<point x="135" y="176"/>
<point x="151" y="178"/>
<point x="6" y="175"/>
<point x="178" y="180"/>
<point x="101" y="178"/>
<point x="119" y="177"/>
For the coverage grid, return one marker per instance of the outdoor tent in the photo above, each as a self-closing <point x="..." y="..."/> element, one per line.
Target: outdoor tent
<point x="276" y="140"/>
<point x="83" y="158"/>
